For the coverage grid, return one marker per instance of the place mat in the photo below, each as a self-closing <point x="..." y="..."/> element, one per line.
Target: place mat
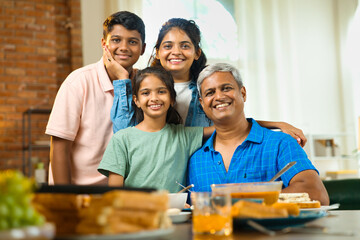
<point x="138" y="235"/>
<point x="85" y="189"/>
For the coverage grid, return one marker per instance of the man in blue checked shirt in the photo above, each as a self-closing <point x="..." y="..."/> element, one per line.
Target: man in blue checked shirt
<point x="240" y="150"/>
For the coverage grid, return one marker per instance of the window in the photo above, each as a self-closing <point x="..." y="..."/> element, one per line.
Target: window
<point x="217" y="25"/>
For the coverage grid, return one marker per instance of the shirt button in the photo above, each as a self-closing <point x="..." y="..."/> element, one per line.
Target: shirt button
<point x="219" y="163"/>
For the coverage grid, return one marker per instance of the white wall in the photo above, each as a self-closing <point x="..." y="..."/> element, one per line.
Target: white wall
<point x="92" y="18"/>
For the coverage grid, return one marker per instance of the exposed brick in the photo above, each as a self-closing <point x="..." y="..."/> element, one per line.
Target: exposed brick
<point x="35" y="72"/>
<point x="24" y="34"/>
<point x="15" y="71"/>
<point x="14" y="41"/>
<point x="24" y="19"/>
<point x="14" y="11"/>
<point x="25" y="49"/>
<point x="46" y="51"/>
<point x="38" y="53"/>
<point x="6" y="124"/>
<point x="14" y="117"/>
<point x="26" y="5"/>
<point x="15" y="26"/>
<point x="26" y="94"/>
<point x="13" y="56"/>
<point x="8" y="4"/>
<point x="6" y="109"/>
<point x="33" y="13"/>
<point x="35" y="27"/>
<point x="9" y="47"/>
<point x="45" y="7"/>
<point x="26" y="64"/>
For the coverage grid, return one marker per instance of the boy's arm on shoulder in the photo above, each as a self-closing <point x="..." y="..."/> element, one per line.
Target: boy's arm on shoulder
<point x="116" y="180"/>
<point x="286" y="128"/>
<point x="310" y="182"/>
<point x="60" y="160"/>
<point x="207" y="132"/>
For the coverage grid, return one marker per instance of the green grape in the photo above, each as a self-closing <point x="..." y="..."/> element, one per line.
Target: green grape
<point x="14" y="223"/>
<point x="29" y="213"/>
<point x="38" y="219"/>
<point x="4" y="211"/>
<point x="16" y="212"/>
<point x="16" y="209"/>
<point x="3" y="224"/>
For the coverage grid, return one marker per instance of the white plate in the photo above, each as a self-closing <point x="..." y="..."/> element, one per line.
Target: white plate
<point x="181" y="217"/>
<point x="138" y="235"/>
<point x="47" y="231"/>
<point x="322" y="208"/>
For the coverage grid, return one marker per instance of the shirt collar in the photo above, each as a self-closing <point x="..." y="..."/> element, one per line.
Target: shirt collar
<point x="104" y="79"/>
<point x="256" y="135"/>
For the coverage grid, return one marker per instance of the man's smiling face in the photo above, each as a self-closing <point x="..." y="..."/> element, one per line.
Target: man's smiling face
<point x="221" y="97"/>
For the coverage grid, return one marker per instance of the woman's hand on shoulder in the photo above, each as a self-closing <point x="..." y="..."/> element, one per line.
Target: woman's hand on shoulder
<point x="294" y="132"/>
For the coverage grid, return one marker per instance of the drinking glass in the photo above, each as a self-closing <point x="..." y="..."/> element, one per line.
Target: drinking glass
<point x="212" y="213"/>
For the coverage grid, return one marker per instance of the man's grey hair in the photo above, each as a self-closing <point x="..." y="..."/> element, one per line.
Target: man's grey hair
<point x="218" y="67"/>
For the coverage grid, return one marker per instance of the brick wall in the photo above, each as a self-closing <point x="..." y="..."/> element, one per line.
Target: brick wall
<point x="40" y="44"/>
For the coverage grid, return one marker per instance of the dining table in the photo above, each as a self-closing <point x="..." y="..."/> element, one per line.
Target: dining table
<point x="339" y="224"/>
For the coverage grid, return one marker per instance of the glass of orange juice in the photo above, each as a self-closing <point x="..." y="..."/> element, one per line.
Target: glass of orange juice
<point x="212" y="213"/>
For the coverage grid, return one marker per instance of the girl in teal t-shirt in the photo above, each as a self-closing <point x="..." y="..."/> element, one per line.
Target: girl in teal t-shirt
<point x="155" y="152"/>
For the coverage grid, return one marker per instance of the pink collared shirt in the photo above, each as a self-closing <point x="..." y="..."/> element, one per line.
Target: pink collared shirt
<point x="81" y="113"/>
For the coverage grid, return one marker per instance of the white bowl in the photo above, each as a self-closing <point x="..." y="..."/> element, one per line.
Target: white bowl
<point x="177" y="200"/>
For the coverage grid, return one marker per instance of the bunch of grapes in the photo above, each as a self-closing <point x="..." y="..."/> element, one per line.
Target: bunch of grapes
<point x="15" y="201"/>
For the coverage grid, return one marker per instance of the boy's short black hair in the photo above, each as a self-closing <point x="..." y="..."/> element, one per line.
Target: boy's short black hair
<point x="127" y="19"/>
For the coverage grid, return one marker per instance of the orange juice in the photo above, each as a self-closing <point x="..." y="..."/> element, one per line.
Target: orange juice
<point x="213" y="224"/>
<point x="269" y="197"/>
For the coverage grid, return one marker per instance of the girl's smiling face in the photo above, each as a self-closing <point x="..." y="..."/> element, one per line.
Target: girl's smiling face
<point x="153" y="98"/>
<point x="177" y="53"/>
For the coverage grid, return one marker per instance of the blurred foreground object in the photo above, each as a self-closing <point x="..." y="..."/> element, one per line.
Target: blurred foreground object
<point x="16" y="210"/>
<point x="114" y="212"/>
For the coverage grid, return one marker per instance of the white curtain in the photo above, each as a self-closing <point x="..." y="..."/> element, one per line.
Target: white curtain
<point x="292" y="62"/>
<point x="352" y="59"/>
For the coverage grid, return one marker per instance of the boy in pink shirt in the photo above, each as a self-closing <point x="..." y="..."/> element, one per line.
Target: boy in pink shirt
<point x="79" y="123"/>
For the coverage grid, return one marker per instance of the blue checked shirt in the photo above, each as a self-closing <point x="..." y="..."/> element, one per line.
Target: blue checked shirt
<point x="257" y="159"/>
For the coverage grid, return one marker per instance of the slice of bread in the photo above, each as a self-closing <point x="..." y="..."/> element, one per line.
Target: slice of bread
<point x="309" y="204"/>
<point x="292" y="208"/>
<point x="247" y="209"/>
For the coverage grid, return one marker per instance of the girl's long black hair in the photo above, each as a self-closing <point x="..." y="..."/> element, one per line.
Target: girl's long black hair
<point x="172" y="115"/>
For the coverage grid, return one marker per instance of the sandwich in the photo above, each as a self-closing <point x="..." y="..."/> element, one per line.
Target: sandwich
<point x="301" y="199"/>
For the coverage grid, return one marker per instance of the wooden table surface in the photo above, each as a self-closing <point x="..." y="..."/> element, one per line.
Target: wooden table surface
<point x="341" y="221"/>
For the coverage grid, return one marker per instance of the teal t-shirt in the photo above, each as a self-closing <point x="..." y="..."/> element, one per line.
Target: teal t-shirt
<point x="152" y="159"/>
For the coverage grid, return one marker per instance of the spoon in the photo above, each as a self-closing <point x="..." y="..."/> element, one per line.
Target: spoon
<point x="184" y="188"/>
<point x="281" y="172"/>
